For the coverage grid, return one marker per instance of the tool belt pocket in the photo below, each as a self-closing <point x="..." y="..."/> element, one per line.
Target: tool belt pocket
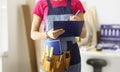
<point x="57" y="63"/>
<point x="46" y="65"/>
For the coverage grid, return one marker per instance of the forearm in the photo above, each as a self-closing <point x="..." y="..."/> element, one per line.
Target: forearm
<point x="35" y="35"/>
<point x="83" y="33"/>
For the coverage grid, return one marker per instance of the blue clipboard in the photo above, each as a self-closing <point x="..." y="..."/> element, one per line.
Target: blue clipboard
<point x="72" y="28"/>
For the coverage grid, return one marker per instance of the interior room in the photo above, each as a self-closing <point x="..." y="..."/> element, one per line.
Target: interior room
<point x="99" y="50"/>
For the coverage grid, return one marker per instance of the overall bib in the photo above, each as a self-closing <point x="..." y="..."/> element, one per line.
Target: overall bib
<point x="62" y="13"/>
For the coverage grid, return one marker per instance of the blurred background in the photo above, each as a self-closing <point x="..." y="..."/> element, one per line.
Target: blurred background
<point x="14" y="46"/>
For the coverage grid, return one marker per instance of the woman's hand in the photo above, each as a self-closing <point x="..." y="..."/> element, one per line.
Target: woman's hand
<point x="74" y="18"/>
<point x="55" y="33"/>
<point x="78" y="17"/>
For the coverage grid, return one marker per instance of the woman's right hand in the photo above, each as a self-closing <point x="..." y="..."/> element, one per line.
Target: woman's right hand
<point x="55" y="33"/>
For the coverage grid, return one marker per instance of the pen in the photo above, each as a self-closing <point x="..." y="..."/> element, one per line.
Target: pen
<point x="77" y="12"/>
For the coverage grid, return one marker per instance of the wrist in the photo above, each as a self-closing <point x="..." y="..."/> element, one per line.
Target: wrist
<point x="47" y="36"/>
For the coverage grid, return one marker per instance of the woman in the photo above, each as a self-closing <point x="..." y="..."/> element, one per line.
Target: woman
<point x="62" y="10"/>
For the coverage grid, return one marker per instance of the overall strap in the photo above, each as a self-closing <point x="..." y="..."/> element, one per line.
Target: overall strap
<point x="49" y="4"/>
<point x="69" y="3"/>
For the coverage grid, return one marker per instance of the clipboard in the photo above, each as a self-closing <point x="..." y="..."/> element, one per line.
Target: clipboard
<point x="72" y="28"/>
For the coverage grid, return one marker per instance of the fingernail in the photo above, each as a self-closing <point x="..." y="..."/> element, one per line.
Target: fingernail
<point x="63" y="31"/>
<point x="60" y="29"/>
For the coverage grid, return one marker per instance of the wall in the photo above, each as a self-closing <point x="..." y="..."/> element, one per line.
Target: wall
<point x="3" y="27"/>
<point x="17" y="54"/>
<point x="3" y="31"/>
<point x="0" y="64"/>
<point x="107" y="11"/>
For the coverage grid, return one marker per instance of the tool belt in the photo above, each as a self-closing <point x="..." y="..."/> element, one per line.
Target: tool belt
<point x="57" y="63"/>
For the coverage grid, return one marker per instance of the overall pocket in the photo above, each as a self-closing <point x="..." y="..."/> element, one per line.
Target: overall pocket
<point x="46" y="65"/>
<point x="58" y="63"/>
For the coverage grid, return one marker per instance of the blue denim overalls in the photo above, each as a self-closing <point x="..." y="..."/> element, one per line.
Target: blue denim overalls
<point x="62" y="13"/>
